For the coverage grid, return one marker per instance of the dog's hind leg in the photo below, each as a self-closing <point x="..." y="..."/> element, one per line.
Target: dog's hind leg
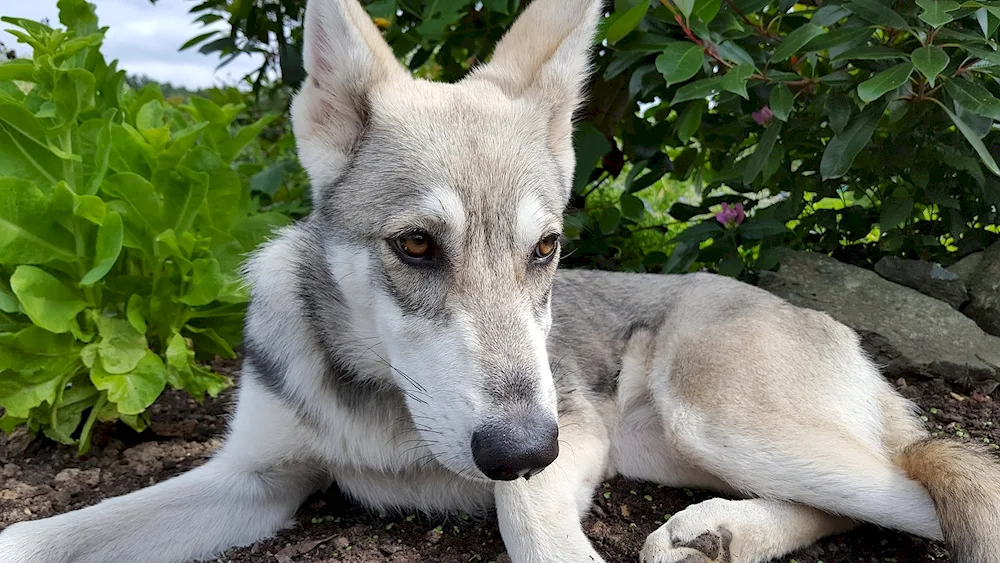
<point x="800" y="419"/>
<point x="243" y="494"/>
<point x="809" y="490"/>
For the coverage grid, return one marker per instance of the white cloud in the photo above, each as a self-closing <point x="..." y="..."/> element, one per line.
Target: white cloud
<point x="144" y="38"/>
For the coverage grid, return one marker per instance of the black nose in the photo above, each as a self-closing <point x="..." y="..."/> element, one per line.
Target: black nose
<point x="506" y="452"/>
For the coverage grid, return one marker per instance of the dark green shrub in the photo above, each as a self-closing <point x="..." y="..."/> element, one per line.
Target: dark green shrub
<point x="877" y="139"/>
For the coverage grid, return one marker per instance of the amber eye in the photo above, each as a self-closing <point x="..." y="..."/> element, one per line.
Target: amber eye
<point x="546" y="248"/>
<point x="414" y="245"/>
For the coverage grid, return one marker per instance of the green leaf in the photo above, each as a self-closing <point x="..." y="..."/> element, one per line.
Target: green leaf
<point x="626" y="22"/>
<point x="8" y="301"/>
<point x="121" y="346"/>
<point x="936" y="12"/>
<point x="270" y="179"/>
<point x="735" y="80"/>
<point x="973" y="97"/>
<point x="843" y="36"/>
<point x="609" y="219"/>
<point x="897" y="208"/>
<point x="135" y="391"/>
<point x="685" y="6"/>
<point x="781" y="101"/>
<point x="244" y="137"/>
<point x="875" y="53"/>
<point x="109" y="246"/>
<point x="877" y="13"/>
<point x="183" y="194"/>
<point x="20" y="394"/>
<point x="757" y="229"/>
<point x="795" y="40"/>
<point x="681" y="258"/>
<point x="134" y="313"/>
<point x="974" y="140"/>
<point x="197" y="39"/>
<point x="733" y="53"/>
<point x="590" y="145"/>
<point x="205" y="283"/>
<point x="182" y="374"/>
<point x="255" y="229"/>
<point x="838" y="109"/>
<point x="47" y="302"/>
<point x="140" y="199"/>
<point x="845" y="146"/>
<point x="698" y="90"/>
<point x="151" y="116"/>
<point x="731" y="266"/>
<point x="72" y="94"/>
<point x="78" y="16"/>
<point x="28" y="234"/>
<point x="33" y="349"/>
<point x="17" y="69"/>
<point x="930" y="61"/>
<point x="884" y="82"/>
<point x="632" y="206"/>
<point x="93" y="143"/>
<point x="689" y="121"/>
<point x="706" y="10"/>
<point x="679" y="62"/>
<point x="21" y="155"/>
<point x="756" y="161"/>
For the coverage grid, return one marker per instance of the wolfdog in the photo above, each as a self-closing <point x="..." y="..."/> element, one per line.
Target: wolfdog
<point x="412" y="341"/>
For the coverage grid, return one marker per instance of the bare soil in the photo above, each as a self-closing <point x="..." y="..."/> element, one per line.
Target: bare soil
<point x="38" y="479"/>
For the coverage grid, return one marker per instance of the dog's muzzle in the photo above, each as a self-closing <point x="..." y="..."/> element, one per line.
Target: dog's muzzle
<point x="507" y="452"/>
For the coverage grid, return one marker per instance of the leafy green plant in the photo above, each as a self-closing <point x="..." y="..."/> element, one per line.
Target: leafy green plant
<point x="123" y="222"/>
<point x="857" y="128"/>
<point x="848" y="128"/>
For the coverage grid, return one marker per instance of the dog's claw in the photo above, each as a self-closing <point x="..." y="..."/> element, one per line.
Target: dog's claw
<point x="707" y="547"/>
<point x="708" y="543"/>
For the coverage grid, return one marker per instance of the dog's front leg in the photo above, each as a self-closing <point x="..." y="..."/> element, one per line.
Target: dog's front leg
<point x="540" y="517"/>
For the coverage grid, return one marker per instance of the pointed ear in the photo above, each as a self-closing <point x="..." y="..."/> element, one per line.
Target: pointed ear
<point x="546" y="56"/>
<point x="346" y="59"/>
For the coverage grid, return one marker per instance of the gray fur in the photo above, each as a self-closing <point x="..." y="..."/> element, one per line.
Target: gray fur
<point x="380" y="371"/>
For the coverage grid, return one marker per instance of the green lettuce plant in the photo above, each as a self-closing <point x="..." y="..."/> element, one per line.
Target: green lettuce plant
<point x="123" y="223"/>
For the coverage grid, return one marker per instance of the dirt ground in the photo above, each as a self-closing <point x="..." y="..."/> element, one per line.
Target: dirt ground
<point x="38" y="479"/>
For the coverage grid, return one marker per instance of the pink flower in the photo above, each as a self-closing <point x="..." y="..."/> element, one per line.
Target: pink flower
<point x="731" y="216"/>
<point x="763" y="116"/>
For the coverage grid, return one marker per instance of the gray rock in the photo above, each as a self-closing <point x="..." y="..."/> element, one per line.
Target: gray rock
<point x="966" y="267"/>
<point x="926" y="277"/>
<point x="905" y="331"/>
<point x="984" y="292"/>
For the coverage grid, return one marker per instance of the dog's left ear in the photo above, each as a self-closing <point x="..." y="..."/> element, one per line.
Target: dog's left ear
<point x="545" y="56"/>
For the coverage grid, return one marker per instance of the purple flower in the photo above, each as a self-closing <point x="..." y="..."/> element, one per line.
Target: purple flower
<point x="763" y="116"/>
<point x="731" y="216"/>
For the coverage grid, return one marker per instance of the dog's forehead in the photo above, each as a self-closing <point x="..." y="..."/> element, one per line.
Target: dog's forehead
<point x="469" y="138"/>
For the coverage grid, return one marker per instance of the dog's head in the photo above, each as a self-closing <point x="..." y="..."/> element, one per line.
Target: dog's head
<point x="442" y="205"/>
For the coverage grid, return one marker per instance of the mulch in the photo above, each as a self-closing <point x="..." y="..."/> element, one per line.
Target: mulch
<point x="39" y="478"/>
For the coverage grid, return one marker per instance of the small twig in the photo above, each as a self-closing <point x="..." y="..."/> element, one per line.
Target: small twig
<point x="759" y="27"/>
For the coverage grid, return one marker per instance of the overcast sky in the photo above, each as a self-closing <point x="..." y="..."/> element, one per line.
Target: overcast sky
<point x="144" y="38"/>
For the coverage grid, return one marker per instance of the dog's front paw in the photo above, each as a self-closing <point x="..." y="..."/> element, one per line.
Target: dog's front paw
<point x="691" y="536"/>
<point x="708" y="547"/>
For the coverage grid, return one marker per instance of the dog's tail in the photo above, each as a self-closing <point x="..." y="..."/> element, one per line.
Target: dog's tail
<point x="965" y="487"/>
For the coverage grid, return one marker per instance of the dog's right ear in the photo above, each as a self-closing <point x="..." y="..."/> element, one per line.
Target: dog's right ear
<point x="345" y="58"/>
